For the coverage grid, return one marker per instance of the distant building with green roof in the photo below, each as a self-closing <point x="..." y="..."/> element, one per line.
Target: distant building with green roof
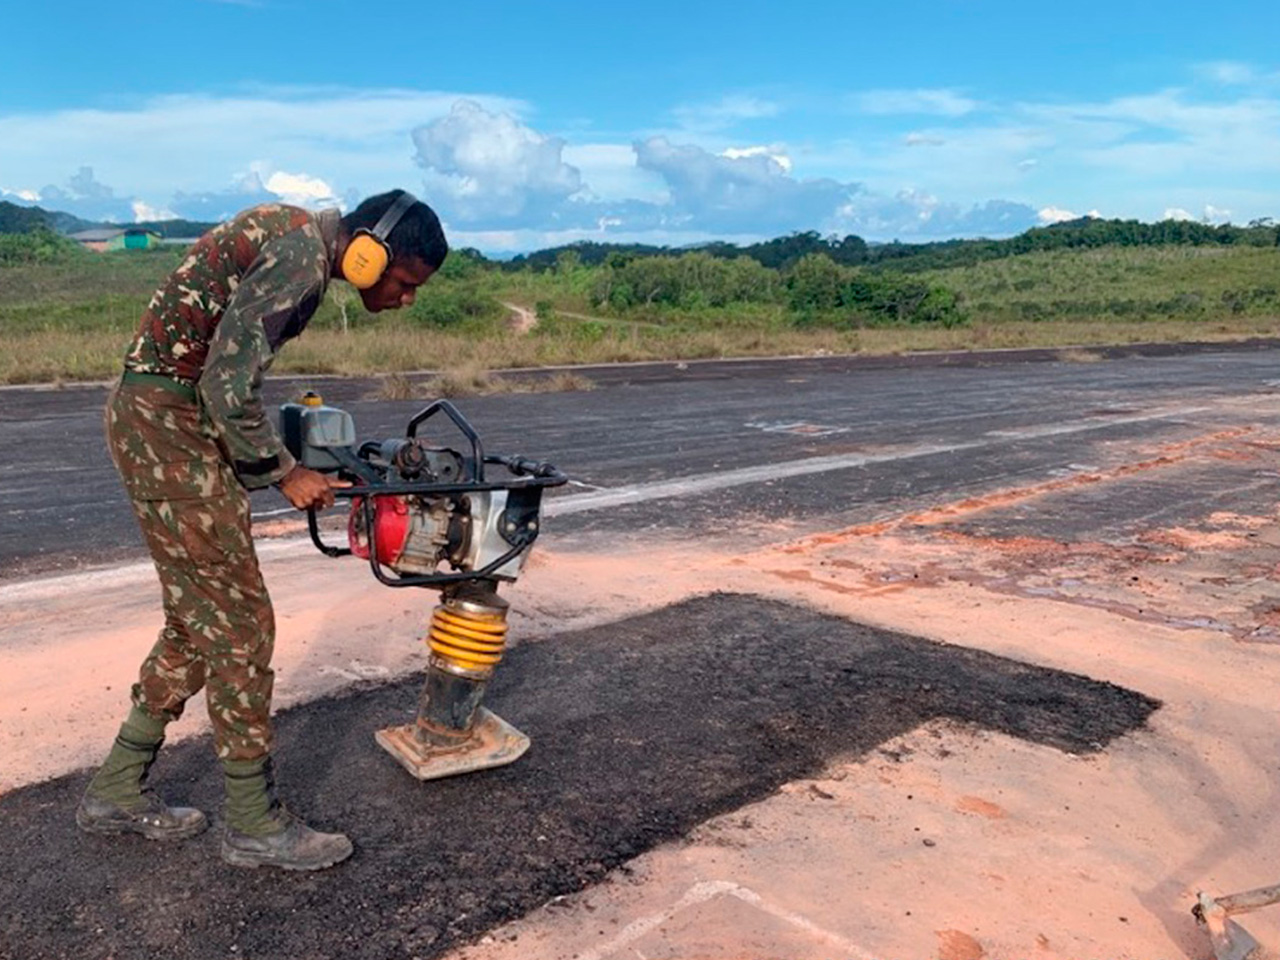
<point x="117" y="238"/>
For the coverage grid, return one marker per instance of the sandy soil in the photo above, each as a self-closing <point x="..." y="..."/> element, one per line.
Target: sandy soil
<point x="958" y="844"/>
<point x="520" y="319"/>
<point x="949" y="843"/>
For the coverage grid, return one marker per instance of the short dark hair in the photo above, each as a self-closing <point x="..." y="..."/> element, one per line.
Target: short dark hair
<point x="417" y="235"/>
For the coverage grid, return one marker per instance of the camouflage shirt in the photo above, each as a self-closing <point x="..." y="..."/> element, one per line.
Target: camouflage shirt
<point x="246" y="286"/>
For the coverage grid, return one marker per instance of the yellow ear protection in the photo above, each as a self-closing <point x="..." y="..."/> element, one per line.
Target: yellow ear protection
<point x="368" y="252"/>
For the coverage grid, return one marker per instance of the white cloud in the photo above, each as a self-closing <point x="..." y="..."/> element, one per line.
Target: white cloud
<point x="1047" y="215"/>
<point x="724" y="173"/>
<point x="733" y="192"/>
<point x="347" y="137"/>
<point x="83" y="185"/>
<point x="1136" y="154"/>
<point x="1176" y="213"/>
<point x="1214" y="214"/>
<point x="145" y="212"/>
<point x="486" y="171"/>
<point x="753" y="194"/>
<point x="301" y="189"/>
<point x="90" y="197"/>
<point x="280" y="186"/>
<point x="943" y="103"/>
<point x="490" y="166"/>
<point x="916" y="215"/>
<point x="773" y="153"/>
<point x="609" y="171"/>
<point x="1168" y="134"/>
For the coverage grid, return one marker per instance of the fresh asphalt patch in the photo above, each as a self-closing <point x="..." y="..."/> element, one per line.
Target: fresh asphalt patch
<point x="641" y="730"/>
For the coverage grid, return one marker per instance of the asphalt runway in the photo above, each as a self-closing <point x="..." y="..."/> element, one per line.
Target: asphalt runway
<point x="641" y="730"/>
<point x="644" y="728"/>
<point x="886" y="433"/>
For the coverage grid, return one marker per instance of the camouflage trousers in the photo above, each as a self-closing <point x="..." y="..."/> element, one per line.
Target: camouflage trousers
<point x="219" y="629"/>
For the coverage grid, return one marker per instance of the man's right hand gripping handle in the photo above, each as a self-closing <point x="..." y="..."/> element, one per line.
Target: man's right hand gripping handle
<point x="309" y="488"/>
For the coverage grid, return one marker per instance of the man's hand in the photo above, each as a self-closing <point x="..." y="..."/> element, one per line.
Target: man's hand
<point x="308" y="488"/>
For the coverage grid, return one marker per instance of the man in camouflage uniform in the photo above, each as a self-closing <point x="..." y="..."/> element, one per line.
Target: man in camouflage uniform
<point x="190" y="436"/>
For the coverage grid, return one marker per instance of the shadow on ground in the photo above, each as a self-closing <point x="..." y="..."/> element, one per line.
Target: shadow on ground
<point x="641" y="730"/>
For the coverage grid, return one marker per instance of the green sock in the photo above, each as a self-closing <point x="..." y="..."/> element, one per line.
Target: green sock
<point x="119" y="780"/>
<point x="142" y="728"/>
<point x="251" y="806"/>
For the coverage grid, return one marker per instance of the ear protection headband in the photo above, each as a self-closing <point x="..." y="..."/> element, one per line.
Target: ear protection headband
<point x="368" y="253"/>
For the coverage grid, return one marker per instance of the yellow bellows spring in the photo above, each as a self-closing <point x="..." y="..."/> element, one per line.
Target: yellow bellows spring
<point x="465" y="640"/>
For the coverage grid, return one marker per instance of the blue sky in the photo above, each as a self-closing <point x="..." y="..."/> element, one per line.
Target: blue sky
<point x="527" y="125"/>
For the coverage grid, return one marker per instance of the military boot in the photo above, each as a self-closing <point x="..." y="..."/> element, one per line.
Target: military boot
<point x="118" y="799"/>
<point x="260" y="832"/>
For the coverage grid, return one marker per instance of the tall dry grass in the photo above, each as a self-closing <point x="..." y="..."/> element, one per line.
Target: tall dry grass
<point x="65" y="355"/>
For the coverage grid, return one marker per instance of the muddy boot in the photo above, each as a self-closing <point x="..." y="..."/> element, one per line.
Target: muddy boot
<point x="118" y="799"/>
<point x="260" y="832"/>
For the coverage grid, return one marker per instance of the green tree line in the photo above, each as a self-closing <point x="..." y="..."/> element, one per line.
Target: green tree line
<point x="1084" y="233"/>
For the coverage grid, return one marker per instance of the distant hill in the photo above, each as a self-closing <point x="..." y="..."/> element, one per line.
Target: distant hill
<point x="19" y="219"/>
<point x="15" y="218"/>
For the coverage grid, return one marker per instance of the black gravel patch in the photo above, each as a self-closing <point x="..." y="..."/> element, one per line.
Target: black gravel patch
<point x="641" y="730"/>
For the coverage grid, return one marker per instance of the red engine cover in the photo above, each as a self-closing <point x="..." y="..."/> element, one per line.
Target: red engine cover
<point x="391" y="525"/>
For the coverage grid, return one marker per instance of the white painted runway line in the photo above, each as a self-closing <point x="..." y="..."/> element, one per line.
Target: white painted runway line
<point x="601" y="499"/>
<point x="272" y="513"/>
<point x="723" y="479"/>
<point x="709" y="890"/>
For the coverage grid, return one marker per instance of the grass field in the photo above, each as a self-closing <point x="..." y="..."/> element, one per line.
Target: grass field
<point x="1195" y="283"/>
<point x="72" y="320"/>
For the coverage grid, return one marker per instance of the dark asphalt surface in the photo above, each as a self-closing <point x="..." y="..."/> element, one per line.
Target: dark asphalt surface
<point x="61" y="504"/>
<point x="640" y="731"/>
